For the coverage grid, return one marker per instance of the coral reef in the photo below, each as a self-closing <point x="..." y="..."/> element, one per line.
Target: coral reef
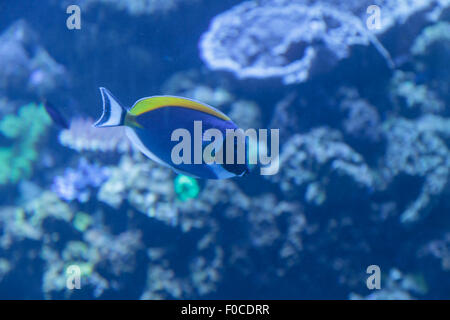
<point x="364" y="163"/>
<point x="294" y="40"/>
<point x="100" y="254"/>
<point x="362" y="120"/>
<point x="262" y="218"/>
<point x="75" y="184"/>
<point x="314" y="163"/>
<point x="300" y="36"/>
<point x="439" y="249"/>
<point x="163" y="283"/>
<point x="26" y="64"/>
<point x="83" y="136"/>
<point x="418" y="149"/>
<point x="26" y="223"/>
<point x="414" y="98"/>
<point x="142" y="183"/>
<point x="392" y="11"/>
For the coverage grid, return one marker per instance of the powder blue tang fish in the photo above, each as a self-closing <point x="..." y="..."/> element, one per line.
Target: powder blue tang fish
<point x="151" y="121"/>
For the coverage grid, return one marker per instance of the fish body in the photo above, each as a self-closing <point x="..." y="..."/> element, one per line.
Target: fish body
<point x="151" y="121"/>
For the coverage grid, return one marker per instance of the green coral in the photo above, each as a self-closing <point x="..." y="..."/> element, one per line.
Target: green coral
<point x="437" y="33"/>
<point x="82" y="221"/>
<point x="186" y="187"/>
<point x="5" y="268"/>
<point x="24" y="130"/>
<point x="77" y="253"/>
<point x="47" y="205"/>
<point x="409" y="95"/>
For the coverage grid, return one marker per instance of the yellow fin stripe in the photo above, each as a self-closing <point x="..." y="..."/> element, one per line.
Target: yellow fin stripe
<point x="152" y="103"/>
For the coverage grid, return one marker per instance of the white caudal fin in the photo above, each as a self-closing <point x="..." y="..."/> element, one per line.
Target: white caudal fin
<point x="113" y="112"/>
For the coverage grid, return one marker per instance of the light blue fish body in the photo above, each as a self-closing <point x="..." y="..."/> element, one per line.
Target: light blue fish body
<point x="151" y="122"/>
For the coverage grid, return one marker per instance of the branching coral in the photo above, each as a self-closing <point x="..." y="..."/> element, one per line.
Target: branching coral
<point x="26" y="223"/>
<point x="362" y="121"/>
<point x="392" y="11"/>
<point x="312" y="163"/>
<point x="418" y="149"/>
<point x="115" y="251"/>
<point x="164" y="283"/>
<point x="100" y="256"/>
<point x="144" y="184"/>
<point x="413" y="98"/>
<point x="431" y="50"/>
<point x="262" y="217"/>
<point x="439" y="249"/>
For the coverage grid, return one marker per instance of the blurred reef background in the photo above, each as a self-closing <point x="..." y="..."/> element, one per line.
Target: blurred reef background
<point x="364" y="176"/>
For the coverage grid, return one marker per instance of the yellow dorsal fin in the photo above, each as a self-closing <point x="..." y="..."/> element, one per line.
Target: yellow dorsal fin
<point x="148" y="104"/>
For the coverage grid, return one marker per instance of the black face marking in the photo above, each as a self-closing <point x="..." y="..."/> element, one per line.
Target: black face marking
<point x="237" y="169"/>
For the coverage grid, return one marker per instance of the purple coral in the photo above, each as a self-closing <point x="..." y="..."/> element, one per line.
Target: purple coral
<point x="82" y="136"/>
<point x="26" y="64"/>
<point x="75" y="184"/>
